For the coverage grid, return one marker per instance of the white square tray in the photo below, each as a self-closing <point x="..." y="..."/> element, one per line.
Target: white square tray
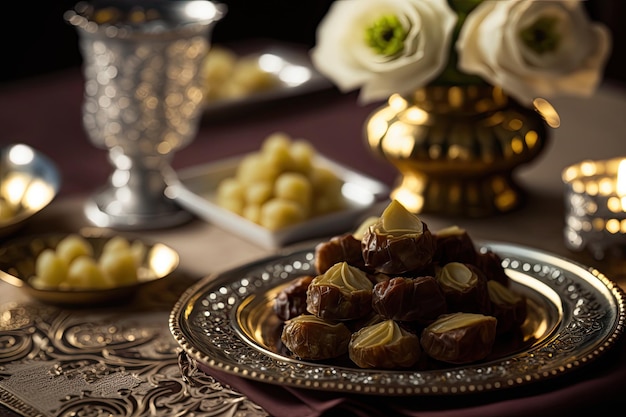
<point x="195" y="187"/>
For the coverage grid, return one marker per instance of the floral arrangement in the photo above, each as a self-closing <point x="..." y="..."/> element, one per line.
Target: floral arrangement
<point x="529" y="48"/>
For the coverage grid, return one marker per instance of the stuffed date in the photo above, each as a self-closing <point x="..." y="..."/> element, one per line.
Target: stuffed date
<point x="342" y="248"/>
<point x="343" y="292"/>
<point x="399" y="242"/>
<point x="291" y="300"/>
<point x="309" y="337"/>
<point x="508" y="306"/>
<point x="417" y="299"/>
<point x="465" y="288"/>
<point x="459" y="338"/>
<point x="454" y="244"/>
<point x="384" y="345"/>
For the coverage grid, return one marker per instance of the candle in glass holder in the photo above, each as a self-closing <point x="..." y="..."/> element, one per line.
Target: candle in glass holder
<point x="595" y="206"/>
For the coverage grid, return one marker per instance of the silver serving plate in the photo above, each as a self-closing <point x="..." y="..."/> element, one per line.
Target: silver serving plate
<point x="576" y="314"/>
<point x="29" y="181"/>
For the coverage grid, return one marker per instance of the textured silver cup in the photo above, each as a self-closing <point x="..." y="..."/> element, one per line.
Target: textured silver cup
<point x="143" y="98"/>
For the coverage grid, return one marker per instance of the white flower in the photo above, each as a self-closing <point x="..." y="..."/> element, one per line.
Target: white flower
<point x="383" y="46"/>
<point x="534" y="48"/>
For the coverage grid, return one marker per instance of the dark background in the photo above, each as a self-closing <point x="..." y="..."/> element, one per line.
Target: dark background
<point x="36" y="39"/>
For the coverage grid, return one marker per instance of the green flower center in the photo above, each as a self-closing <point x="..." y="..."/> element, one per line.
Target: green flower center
<point x="542" y="35"/>
<point x="386" y="36"/>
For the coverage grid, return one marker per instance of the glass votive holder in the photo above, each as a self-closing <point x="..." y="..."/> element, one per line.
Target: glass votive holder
<point x="595" y="206"/>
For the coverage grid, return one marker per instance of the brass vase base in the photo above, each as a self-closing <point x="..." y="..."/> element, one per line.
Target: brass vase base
<point x="456" y="148"/>
<point x="463" y="197"/>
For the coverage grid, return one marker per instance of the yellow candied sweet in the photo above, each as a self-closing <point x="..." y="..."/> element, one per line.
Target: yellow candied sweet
<point x="50" y="269"/>
<point x="256" y="167"/>
<point x="84" y="273"/>
<point x="276" y="141"/>
<point x="118" y="261"/>
<point x="229" y="76"/>
<point x="116" y="243"/>
<point x="139" y="250"/>
<point x="252" y="212"/>
<point x="276" y="152"/>
<point x="218" y="64"/>
<point x="230" y="195"/>
<point x="327" y="191"/>
<point x="295" y="187"/>
<point x="119" y="267"/>
<point x="250" y="76"/>
<point x="72" y="264"/>
<point x="73" y="246"/>
<point x="302" y="153"/>
<point x="278" y="213"/>
<point x="258" y="192"/>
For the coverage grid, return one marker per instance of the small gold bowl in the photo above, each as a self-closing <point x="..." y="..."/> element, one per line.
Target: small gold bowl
<point x="29" y="181"/>
<point x="18" y="258"/>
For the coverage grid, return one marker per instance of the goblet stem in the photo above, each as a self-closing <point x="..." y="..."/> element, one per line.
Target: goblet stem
<point x="135" y="196"/>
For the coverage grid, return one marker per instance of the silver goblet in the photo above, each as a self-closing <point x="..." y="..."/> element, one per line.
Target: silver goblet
<point x="143" y="98"/>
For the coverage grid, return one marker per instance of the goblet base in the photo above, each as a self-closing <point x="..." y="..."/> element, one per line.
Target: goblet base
<point x="103" y="210"/>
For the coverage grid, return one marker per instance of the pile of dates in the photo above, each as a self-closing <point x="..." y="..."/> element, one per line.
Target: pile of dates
<point x="393" y="292"/>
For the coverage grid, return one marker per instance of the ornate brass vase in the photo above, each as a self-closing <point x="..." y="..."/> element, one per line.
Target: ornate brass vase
<point x="456" y="148"/>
